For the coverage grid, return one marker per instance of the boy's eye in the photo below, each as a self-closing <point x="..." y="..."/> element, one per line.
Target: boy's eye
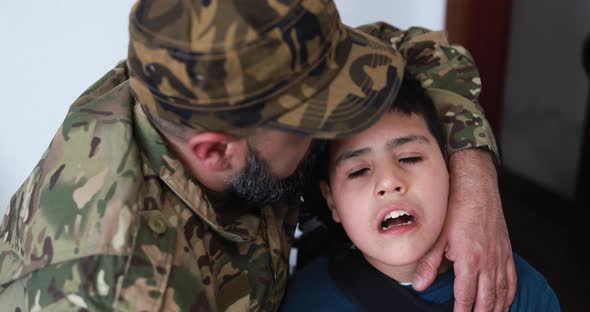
<point x="410" y="160"/>
<point x="358" y="173"/>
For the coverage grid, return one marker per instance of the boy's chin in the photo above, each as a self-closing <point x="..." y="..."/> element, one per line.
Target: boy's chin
<point x="402" y="268"/>
<point x="396" y="259"/>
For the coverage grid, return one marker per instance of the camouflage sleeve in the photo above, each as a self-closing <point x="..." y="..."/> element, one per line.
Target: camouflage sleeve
<point x="86" y="284"/>
<point x="450" y="76"/>
<point x="48" y="240"/>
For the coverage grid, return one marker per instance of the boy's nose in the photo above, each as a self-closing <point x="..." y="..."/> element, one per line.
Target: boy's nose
<point x="397" y="189"/>
<point x="391" y="181"/>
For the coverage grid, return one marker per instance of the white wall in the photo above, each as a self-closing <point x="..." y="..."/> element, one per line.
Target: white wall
<point x="52" y="50"/>
<point x="546" y="91"/>
<point x="401" y="13"/>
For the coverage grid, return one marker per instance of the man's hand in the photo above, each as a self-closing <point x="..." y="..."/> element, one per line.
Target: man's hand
<point x="474" y="237"/>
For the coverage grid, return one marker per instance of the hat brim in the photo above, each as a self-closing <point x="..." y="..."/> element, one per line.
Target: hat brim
<point x="356" y="98"/>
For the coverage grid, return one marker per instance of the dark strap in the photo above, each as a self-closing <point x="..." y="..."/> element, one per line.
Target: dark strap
<point x="372" y="290"/>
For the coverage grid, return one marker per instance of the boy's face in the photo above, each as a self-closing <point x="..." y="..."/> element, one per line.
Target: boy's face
<point x="388" y="187"/>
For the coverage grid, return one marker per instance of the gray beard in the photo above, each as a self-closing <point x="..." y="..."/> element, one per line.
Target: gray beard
<point x="257" y="185"/>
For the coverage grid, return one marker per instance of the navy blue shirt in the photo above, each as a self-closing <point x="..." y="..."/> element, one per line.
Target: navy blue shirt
<point x="312" y="289"/>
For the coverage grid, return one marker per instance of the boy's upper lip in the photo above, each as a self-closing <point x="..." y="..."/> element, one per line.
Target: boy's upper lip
<point x="385" y="209"/>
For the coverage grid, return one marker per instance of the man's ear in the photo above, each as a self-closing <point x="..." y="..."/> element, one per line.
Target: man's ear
<point x="214" y="150"/>
<point x="327" y="194"/>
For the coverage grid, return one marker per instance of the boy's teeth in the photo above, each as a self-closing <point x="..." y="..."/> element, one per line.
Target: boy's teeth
<point x="396" y="218"/>
<point x="396" y="214"/>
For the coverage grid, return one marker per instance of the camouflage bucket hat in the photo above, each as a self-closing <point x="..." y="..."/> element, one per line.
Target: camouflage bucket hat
<point x="224" y="65"/>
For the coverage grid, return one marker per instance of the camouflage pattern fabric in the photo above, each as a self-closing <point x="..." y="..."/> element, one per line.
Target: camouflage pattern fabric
<point x="223" y="65"/>
<point x="450" y="76"/>
<point x="110" y="220"/>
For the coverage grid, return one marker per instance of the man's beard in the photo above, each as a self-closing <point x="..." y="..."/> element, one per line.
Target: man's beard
<point x="257" y="185"/>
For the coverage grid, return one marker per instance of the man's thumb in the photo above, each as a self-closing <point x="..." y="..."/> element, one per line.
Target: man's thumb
<point x="427" y="269"/>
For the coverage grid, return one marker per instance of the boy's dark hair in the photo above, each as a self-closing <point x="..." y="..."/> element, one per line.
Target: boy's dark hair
<point x="411" y="99"/>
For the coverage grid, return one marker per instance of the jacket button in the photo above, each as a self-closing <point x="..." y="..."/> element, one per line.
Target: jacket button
<point x="157" y="225"/>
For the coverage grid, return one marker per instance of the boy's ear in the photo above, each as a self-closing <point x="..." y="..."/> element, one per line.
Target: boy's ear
<point x="327" y="194"/>
<point x="215" y="151"/>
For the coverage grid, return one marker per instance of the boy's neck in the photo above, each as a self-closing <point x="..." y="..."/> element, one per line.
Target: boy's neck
<point x="404" y="274"/>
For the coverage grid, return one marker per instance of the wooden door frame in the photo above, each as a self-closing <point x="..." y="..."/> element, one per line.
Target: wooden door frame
<point x="483" y="27"/>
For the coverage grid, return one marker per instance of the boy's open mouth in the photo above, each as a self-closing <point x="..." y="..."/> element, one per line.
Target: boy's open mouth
<point x="396" y="218"/>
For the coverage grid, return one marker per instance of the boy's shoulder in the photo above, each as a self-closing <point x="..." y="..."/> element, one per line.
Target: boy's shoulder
<point x="533" y="292"/>
<point x="312" y="288"/>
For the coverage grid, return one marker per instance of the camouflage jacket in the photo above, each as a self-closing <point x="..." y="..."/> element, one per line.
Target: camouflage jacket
<point x="450" y="76"/>
<point x="110" y="220"/>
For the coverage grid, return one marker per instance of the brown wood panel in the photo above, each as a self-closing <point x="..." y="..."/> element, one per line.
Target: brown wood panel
<point x="483" y="28"/>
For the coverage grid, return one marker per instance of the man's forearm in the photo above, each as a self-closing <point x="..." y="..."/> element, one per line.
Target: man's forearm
<point x="473" y="170"/>
<point x="473" y="163"/>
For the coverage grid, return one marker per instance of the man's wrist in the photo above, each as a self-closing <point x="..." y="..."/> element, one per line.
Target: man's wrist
<point x="472" y="160"/>
<point x="472" y="171"/>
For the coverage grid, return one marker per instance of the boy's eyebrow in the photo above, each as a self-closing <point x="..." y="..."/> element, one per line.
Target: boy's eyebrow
<point x="349" y="154"/>
<point x="391" y="144"/>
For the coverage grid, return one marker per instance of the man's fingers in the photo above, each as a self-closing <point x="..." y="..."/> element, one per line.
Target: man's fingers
<point x="486" y="291"/>
<point x="427" y="269"/>
<point x="465" y="287"/>
<point x="510" y="282"/>
<point x="501" y="288"/>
